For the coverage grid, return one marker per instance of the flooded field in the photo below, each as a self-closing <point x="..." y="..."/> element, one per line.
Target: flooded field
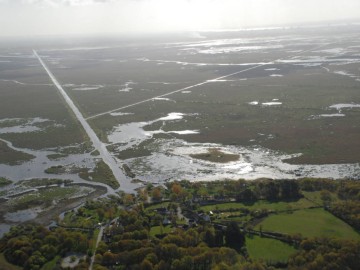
<point x="285" y="103"/>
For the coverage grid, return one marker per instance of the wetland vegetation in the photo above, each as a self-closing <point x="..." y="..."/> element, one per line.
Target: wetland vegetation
<point x="12" y="157"/>
<point x="101" y="173"/>
<point x="216" y="155"/>
<point x="281" y="107"/>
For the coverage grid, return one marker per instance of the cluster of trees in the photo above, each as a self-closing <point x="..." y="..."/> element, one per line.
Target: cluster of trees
<point x="277" y="190"/>
<point x="31" y="246"/>
<point x="128" y="243"/>
<point x="326" y="254"/>
<point x="340" y="197"/>
<point x="318" y="184"/>
<point x="241" y="190"/>
<point x="348" y="208"/>
<point x="348" y="211"/>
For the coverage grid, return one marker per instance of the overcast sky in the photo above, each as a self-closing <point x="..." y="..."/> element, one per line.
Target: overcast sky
<point x="42" y="17"/>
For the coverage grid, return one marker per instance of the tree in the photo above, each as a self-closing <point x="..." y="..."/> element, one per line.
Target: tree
<point x="49" y="251"/>
<point x="203" y="193"/>
<point x="246" y="196"/>
<point x="102" y="248"/>
<point x="143" y="195"/>
<point x="219" y="238"/>
<point x="20" y="257"/>
<point x="35" y="261"/>
<point x="128" y="199"/>
<point x="156" y="194"/>
<point x="325" y="196"/>
<point x="234" y="238"/>
<point x="176" y="188"/>
<point x="289" y="189"/>
<point x="101" y="213"/>
<point x="146" y="265"/>
<point x="325" y="253"/>
<point x="209" y="237"/>
<point x="98" y="258"/>
<point x="108" y="258"/>
<point x="68" y="243"/>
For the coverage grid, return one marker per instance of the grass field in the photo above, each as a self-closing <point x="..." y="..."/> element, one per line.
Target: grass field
<point x="51" y="264"/>
<point x="275" y="206"/>
<point x="12" y="157"/>
<point x="4" y="265"/>
<point x="157" y="230"/>
<point x="4" y="182"/>
<point x="158" y="205"/>
<point x="268" y="249"/>
<point x="101" y="174"/>
<point x="27" y="101"/>
<point x="309" y="223"/>
<point x="47" y="197"/>
<point x="90" y="219"/>
<point x="42" y="182"/>
<point x="315" y="196"/>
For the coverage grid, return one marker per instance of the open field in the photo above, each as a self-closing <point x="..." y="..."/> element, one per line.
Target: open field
<point x="157" y="205"/>
<point x="268" y="249"/>
<point x="41" y="200"/>
<point x="315" y="197"/>
<point x="160" y="230"/>
<point x="4" y="265"/>
<point x="259" y="205"/>
<point x="95" y="86"/>
<point x="101" y="174"/>
<point x="309" y="223"/>
<point x="59" y="129"/>
<point x="46" y="197"/>
<point x="52" y="264"/>
<point x="12" y="157"/>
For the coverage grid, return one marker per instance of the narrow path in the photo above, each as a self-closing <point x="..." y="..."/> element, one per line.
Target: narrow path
<point x="96" y="246"/>
<point x="180" y="215"/>
<point x="176" y="91"/>
<point x="101" y="147"/>
<point x="206" y="82"/>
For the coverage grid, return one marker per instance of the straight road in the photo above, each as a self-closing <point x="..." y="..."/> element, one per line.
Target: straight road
<point x="96" y="246"/>
<point x="124" y="182"/>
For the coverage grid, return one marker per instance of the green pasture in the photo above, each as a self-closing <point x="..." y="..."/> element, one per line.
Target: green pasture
<point x="4" y="265"/>
<point x="309" y="223"/>
<point x="158" y="205"/>
<point x="258" y="205"/>
<point x="268" y="249"/>
<point x="160" y="230"/>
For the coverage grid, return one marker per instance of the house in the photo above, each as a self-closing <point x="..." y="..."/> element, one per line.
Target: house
<point x="166" y="221"/>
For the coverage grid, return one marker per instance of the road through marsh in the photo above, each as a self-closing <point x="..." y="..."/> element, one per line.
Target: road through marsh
<point x="100" y="146"/>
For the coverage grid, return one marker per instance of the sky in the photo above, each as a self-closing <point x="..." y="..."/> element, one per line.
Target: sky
<point x="61" y="17"/>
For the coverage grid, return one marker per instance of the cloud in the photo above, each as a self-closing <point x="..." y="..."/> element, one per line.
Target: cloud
<point x="116" y="16"/>
<point x="56" y="3"/>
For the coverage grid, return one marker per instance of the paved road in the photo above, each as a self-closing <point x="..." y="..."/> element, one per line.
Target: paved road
<point x="124" y="182"/>
<point x="97" y="243"/>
